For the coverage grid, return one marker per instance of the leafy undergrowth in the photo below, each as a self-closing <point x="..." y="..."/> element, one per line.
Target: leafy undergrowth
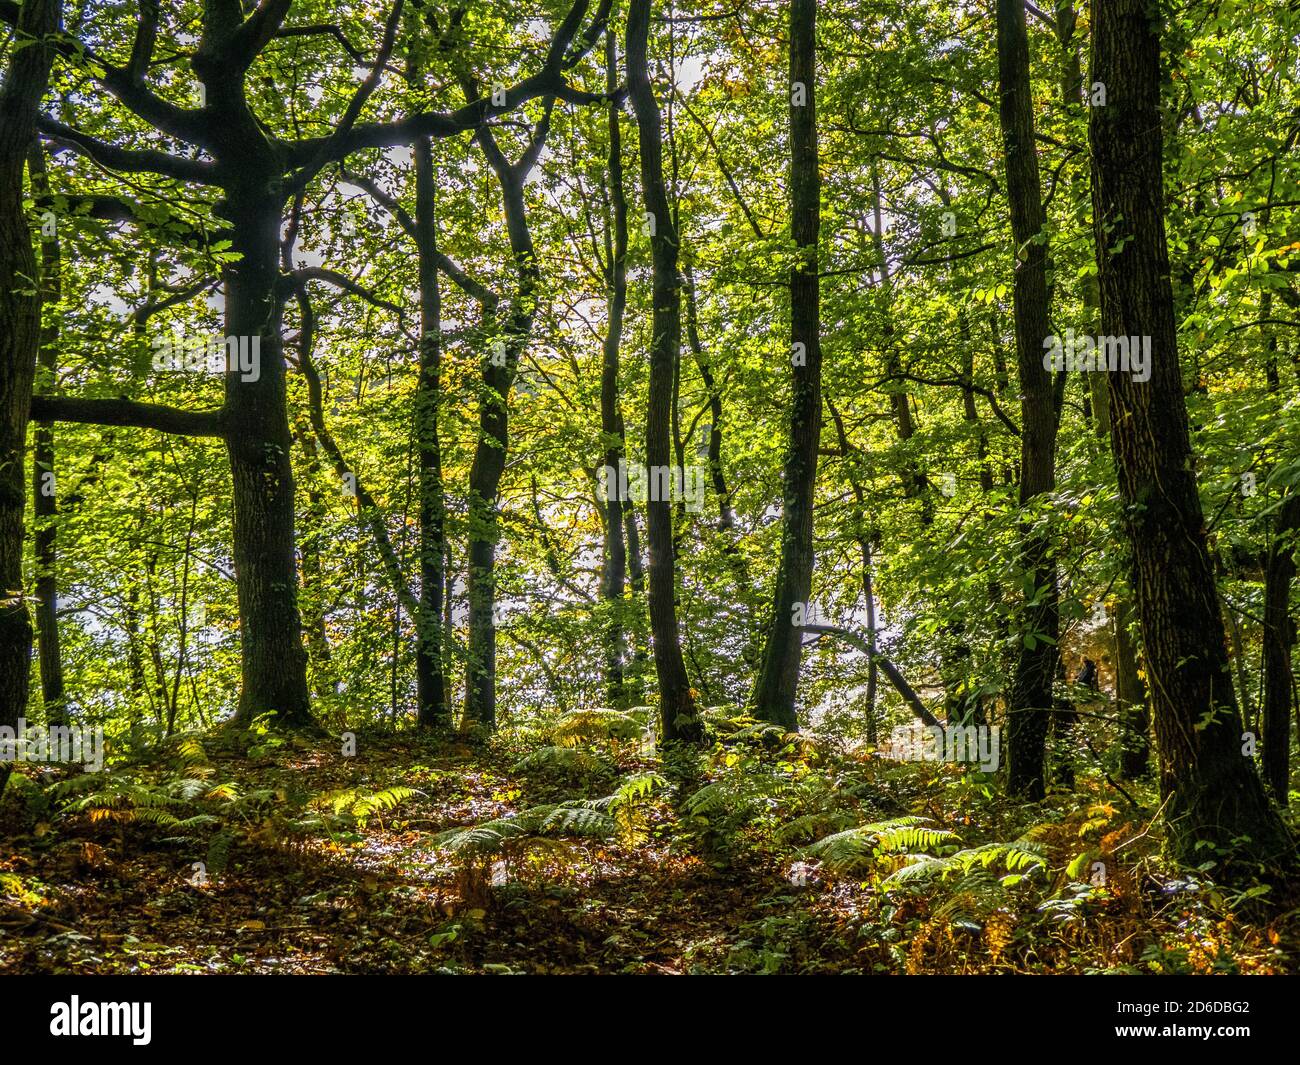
<point x="581" y="851"/>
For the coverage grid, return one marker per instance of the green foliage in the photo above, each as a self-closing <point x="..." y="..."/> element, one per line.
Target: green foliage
<point x="859" y="849"/>
<point x="581" y="727"/>
<point x="358" y="805"/>
<point x="1019" y="859"/>
<point x="575" y="818"/>
<point x="122" y="797"/>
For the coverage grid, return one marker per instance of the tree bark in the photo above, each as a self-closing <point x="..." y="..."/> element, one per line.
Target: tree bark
<point x="614" y="572"/>
<point x="258" y="444"/>
<point x="1212" y="794"/>
<point x="433" y="709"/>
<point x="45" y="506"/>
<point x="499" y="368"/>
<point x="25" y="81"/>
<point x="679" y="718"/>
<point x="778" y="677"/>
<point x="1279" y="637"/>
<point x="1030" y="705"/>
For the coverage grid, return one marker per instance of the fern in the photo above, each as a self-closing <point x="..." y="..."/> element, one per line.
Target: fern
<point x="572" y="762"/>
<point x="579" y="727"/>
<point x="1017" y="860"/>
<point x="552" y="819"/>
<point x="810" y="826"/>
<point x="218" y="856"/>
<point x="358" y="806"/>
<point x="860" y="848"/>
<point x="628" y="804"/>
<point x="123" y="798"/>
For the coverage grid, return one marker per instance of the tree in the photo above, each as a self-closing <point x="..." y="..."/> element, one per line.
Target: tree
<point x="614" y="572"/>
<point x="256" y="173"/>
<point x="25" y="80"/>
<point x="1212" y="793"/>
<point x="778" y="678"/>
<point x="1031" y="693"/>
<point x="679" y="717"/>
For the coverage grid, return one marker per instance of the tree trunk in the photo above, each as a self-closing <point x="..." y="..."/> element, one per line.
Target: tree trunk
<point x="499" y="367"/>
<point x="433" y="710"/>
<point x="634" y="678"/>
<point x="44" y="498"/>
<point x="20" y="341"/>
<point x="680" y="721"/>
<point x="778" y="677"/>
<point x="273" y="659"/>
<point x="1131" y="698"/>
<point x="1211" y="791"/>
<point x="1031" y="692"/>
<point x="614" y="573"/>
<point x="1130" y="692"/>
<point x="862" y="535"/>
<point x="324" y="683"/>
<point x="1279" y="636"/>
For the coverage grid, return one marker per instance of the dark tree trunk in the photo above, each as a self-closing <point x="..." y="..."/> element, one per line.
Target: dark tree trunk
<point x="634" y="678"/>
<point x="1031" y="691"/>
<point x="313" y="575"/>
<point x="680" y="721"/>
<point x="862" y="535"/>
<point x="778" y="677"/>
<point x="1279" y="637"/>
<point x="20" y="341"/>
<point x="614" y="573"/>
<point x="433" y="710"/>
<point x="1131" y="698"/>
<point x="1130" y="692"/>
<point x="273" y="659"/>
<point x="45" y="506"/>
<point x="1211" y="791"/>
<point x="499" y="368"/>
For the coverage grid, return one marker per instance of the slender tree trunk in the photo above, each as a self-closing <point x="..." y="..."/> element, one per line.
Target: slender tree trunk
<point x="1279" y="636"/>
<point x="20" y="341"/>
<point x="1131" y="697"/>
<point x="863" y="537"/>
<point x="134" y="655"/>
<point x="433" y="709"/>
<point x="1031" y="692"/>
<point x="914" y="480"/>
<point x="313" y="575"/>
<point x="778" y="677"/>
<point x="680" y="721"/>
<point x="717" y="475"/>
<point x="499" y="368"/>
<point x="45" y="506"/>
<point x="1211" y="790"/>
<point x="614" y="573"/>
<point x="634" y="678"/>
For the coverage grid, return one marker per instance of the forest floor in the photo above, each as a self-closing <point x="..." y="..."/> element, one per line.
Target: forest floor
<point x="318" y="863"/>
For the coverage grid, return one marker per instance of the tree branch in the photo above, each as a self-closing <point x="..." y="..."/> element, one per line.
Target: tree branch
<point x="129" y="413"/>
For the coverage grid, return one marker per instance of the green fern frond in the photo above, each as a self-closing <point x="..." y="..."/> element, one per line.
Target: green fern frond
<point x="569" y="760"/>
<point x="859" y="848"/>
<point x="551" y="819"/>
<point x="598" y="724"/>
<point x="637" y="788"/>
<point x="811" y="826"/>
<point x="1018" y="859"/>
